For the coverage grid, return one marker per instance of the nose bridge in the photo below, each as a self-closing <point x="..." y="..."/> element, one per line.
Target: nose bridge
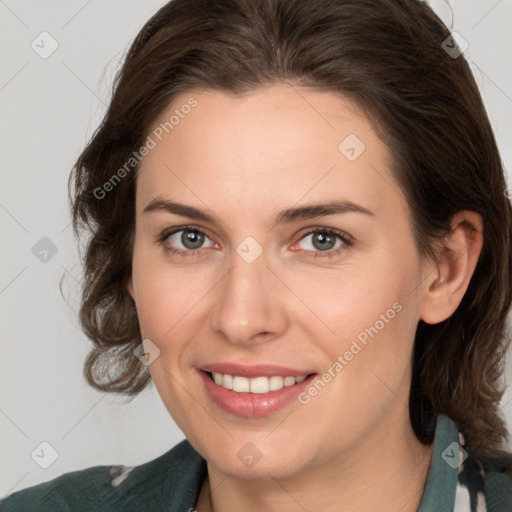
<point x="248" y="304"/>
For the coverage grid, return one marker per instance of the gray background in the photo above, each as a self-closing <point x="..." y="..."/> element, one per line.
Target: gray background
<point x="50" y="108"/>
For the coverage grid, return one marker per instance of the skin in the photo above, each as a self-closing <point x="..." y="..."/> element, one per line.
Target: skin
<point x="244" y="159"/>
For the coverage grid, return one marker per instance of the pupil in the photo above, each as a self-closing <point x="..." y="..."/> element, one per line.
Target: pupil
<point x="326" y="241"/>
<point x="192" y="239"/>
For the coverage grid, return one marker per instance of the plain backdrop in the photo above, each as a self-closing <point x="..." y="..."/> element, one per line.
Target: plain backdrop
<point x="50" y="107"/>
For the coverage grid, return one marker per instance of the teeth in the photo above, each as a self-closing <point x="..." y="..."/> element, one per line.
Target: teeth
<point x="240" y="384"/>
<point x="289" y="381"/>
<point x="256" y="385"/>
<point x="226" y="381"/>
<point x="275" y="382"/>
<point x="259" y="385"/>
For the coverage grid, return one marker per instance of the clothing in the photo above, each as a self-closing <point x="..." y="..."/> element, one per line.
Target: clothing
<point x="172" y="482"/>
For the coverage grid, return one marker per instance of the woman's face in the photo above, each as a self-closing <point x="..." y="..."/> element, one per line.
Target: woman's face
<point x="253" y="291"/>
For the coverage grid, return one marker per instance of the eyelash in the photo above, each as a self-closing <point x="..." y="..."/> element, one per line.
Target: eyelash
<point x="347" y="241"/>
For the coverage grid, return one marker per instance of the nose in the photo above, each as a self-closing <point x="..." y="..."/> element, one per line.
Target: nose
<point x="250" y="304"/>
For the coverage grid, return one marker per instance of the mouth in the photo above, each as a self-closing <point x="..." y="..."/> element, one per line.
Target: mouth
<point x="253" y="397"/>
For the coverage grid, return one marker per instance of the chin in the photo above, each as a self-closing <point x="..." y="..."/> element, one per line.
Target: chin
<point x="259" y="461"/>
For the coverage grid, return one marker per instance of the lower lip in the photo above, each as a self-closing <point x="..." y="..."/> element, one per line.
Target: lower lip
<point x="252" y="405"/>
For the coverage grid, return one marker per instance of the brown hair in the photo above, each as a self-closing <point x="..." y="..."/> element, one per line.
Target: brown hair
<point x="387" y="56"/>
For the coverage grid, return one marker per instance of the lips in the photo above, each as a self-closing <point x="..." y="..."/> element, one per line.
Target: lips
<point x="253" y="371"/>
<point x="262" y="400"/>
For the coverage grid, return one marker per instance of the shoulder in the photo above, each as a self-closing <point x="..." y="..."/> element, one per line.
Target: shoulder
<point x="174" y="479"/>
<point x="498" y="483"/>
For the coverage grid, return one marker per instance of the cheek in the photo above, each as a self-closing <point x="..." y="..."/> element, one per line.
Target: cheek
<point x="367" y="361"/>
<point x="354" y="299"/>
<point x="156" y="306"/>
<point x="365" y="315"/>
<point x="167" y="301"/>
<point x="165" y="295"/>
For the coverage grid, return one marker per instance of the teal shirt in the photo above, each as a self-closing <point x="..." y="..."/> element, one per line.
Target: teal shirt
<point x="172" y="482"/>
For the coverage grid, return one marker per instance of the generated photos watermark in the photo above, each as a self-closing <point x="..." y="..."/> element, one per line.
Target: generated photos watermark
<point x="357" y="345"/>
<point x="151" y="142"/>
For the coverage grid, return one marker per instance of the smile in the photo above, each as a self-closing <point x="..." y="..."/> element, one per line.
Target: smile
<point x="260" y="391"/>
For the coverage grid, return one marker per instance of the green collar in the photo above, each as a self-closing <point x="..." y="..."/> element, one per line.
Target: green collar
<point x="439" y="495"/>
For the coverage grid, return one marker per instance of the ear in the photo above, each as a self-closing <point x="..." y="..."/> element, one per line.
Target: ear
<point x="456" y="261"/>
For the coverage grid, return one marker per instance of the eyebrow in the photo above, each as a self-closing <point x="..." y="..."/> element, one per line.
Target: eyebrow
<point x="287" y="216"/>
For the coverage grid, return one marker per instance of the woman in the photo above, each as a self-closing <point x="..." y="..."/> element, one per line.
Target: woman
<point x="299" y="231"/>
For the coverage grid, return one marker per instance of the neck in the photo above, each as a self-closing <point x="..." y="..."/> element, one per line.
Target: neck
<point x="387" y="471"/>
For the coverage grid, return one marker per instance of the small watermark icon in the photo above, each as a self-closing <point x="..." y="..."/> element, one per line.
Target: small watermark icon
<point x="44" y="45"/>
<point x="455" y="45"/>
<point x="44" y="455"/>
<point x="44" y="250"/>
<point x="249" y="454"/>
<point x="249" y="249"/>
<point x="351" y="147"/>
<point x="147" y="352"/>
<point x="454" y="455"/>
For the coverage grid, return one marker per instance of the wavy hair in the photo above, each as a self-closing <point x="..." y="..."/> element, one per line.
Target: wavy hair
<point x="389" y="57"/>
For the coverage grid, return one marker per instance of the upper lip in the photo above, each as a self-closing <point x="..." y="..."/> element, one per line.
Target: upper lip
<point x="251" y="371"/>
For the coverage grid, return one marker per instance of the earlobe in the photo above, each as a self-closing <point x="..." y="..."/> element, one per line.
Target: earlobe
<point x="455" y="265"/>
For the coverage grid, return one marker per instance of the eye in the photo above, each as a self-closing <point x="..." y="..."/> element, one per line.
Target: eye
<point x="319" y="242"/>
<point x="185" y="241"/>
<point x="325" y="240"/>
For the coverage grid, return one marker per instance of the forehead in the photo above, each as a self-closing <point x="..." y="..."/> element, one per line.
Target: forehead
<point x="276" y="144"/>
